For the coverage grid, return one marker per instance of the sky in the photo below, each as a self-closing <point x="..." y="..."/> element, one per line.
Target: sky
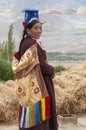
<point x="40" y="4"/>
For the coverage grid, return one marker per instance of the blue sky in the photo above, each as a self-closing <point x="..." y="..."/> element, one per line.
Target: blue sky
<point x="40" y="4"/>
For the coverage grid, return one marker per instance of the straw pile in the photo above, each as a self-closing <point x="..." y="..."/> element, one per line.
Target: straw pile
<point x="8" y="102"/>
<point x="70" y="90"/>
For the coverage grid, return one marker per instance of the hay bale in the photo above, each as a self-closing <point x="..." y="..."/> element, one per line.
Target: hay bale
<point x="70" y="90"/>
<point x="10" y="83"/>
<point x="8" y="104"/>
<point x="65" y="103"/>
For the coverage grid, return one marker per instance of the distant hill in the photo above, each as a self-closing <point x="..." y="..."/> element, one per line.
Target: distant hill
<point x="69" y="11"/>
<point x="61" y="33"/>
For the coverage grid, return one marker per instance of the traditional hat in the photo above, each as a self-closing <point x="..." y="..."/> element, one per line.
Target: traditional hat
<point x="30" y="15"/>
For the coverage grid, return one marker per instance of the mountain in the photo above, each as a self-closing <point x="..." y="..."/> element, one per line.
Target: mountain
<point x="62" y="33"/>
<point x="65" y="33"/>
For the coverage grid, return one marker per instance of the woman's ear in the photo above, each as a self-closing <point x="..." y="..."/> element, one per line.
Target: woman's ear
<point x="28" y="30"/>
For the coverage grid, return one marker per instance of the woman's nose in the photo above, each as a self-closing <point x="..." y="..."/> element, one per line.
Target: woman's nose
<point x="39" y="30"/>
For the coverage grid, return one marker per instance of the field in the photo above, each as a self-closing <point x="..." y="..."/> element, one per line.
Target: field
<point x="56" y="56"/>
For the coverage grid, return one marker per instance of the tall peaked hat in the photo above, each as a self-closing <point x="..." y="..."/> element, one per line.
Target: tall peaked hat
<point x="30" y="15"/>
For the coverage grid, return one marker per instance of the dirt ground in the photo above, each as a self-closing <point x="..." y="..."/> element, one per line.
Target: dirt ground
<point x="79" y="125"/>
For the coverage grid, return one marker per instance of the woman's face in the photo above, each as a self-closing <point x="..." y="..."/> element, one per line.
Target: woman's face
<point x="35" y="31"/>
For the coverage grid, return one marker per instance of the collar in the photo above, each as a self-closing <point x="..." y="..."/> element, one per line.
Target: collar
<point x="29" y="36"/>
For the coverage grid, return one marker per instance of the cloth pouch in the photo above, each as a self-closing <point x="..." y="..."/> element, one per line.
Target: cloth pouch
<point x="31" y="90"/>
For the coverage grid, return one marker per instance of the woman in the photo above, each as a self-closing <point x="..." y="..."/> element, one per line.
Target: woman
<point x="32" y="32"/>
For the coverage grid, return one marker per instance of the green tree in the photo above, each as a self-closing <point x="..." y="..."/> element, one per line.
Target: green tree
<point x="3" y="50"/>
<point x="7" y="49"/>
<point x="11" y="44"/>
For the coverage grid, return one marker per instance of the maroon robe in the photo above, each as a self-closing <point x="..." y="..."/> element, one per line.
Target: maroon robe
<point x="47" y="72"/>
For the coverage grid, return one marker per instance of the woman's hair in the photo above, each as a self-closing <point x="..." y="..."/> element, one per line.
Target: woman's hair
<point x="24" y="35"/>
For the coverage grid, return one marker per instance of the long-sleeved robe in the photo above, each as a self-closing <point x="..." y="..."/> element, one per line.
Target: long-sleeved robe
<point x="47" y="72"/>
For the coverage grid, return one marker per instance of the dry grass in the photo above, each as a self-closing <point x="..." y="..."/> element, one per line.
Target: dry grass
<point x="70" y="92"/>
